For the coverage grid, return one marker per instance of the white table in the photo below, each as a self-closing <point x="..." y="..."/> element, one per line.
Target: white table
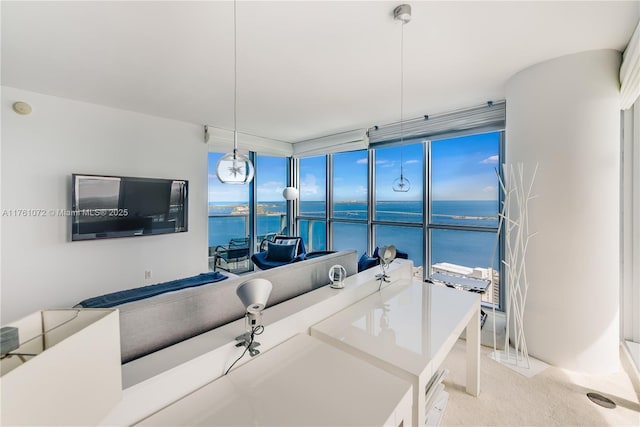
<point x="408" y="329"/>
<point x="302" y="381"/>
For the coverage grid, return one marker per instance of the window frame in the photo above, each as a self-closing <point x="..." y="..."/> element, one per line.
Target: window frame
<point x="426" y="225"/>
<point x="499" y="228"/>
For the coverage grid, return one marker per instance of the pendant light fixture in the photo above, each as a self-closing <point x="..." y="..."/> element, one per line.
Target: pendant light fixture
<point x="402" y="13"/>
<point x="401" y="184"/>
<point x="235" y="168"/>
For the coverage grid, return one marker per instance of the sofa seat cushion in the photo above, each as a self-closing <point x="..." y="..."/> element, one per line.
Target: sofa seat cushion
<point x="129" y="295"/>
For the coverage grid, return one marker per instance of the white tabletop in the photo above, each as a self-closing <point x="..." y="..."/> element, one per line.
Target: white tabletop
<point x="300" y="382"/>
<point x="409" y="325"/>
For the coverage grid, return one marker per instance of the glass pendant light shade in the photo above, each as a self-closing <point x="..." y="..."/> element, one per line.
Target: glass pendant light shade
<point x="401" y="185"/>
<point x="234" y="168"/>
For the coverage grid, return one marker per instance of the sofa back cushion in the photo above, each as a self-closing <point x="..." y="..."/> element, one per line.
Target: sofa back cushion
<point x="154" y="323"/>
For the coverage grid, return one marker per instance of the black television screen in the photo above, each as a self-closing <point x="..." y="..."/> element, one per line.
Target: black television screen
<point x="116" y="206"/>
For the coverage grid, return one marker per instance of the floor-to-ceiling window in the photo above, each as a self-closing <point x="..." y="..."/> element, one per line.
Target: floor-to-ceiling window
<point x="271" y="211"/>
<point x="349" y="213"/>
<point x="233" y="209"/>
<point x="464" y="205"/>
<point x="312" y="224"/>
<point x="398" y="214"/>
<point x="228" y="216"/>
<point x="437" y="201"/>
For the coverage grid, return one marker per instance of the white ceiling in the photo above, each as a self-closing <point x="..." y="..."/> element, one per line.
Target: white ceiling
<point x="305" y="69"/>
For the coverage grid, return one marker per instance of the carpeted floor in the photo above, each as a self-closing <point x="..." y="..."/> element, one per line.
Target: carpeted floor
<point x="555" y="397"/>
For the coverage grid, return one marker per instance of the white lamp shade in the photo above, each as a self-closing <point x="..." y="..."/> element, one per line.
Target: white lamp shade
<point x="254" y="294"/>
<point x="234" y="168"/>
<point x="290" y="193"/>
<point x="387" y="254"/>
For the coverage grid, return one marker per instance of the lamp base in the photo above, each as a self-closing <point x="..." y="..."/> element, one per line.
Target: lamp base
<point x="245" y="341"/>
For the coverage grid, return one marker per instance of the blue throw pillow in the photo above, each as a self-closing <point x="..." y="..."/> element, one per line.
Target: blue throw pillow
<point x="365" y="262"/>
<point x="283" y="240"/>
<point x="281" y="253"/>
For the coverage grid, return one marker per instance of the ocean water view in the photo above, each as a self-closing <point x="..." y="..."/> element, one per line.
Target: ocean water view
<point x="471" y="249"/>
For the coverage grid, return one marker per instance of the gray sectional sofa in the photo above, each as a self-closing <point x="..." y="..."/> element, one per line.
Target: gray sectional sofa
<point x="157" y="322"/>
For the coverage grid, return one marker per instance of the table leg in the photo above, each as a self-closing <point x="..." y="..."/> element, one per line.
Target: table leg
<point x="473" y="354"/>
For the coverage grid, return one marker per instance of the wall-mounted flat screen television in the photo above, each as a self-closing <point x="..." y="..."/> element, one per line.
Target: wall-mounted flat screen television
<point x="116" y="206"/>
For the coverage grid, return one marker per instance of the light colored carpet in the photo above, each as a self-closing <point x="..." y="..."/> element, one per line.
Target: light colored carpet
<point x="555" y="397"/>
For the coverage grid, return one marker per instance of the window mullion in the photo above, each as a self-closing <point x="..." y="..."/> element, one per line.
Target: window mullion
<point x="371" y="201"/>
<point x="329" y="201"/>
<point x="426" y="242"/>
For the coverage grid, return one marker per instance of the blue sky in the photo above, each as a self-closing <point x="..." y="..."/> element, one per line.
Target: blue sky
<point x="388" y="170"/>
<point x="462" y="169"/>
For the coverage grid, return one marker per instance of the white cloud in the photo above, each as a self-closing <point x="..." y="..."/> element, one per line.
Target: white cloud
<point x="272" y="184"/>
<point x="386" y="163"/>
<point x="362" y="161"/>
<point x="270" y="190"/>
<point x="490" y="160"/>
<point x="411" y="162"/>
<point x="309" y="185"/>
<point x="491" y="189"/>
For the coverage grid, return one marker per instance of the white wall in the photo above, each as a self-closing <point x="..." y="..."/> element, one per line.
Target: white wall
<point x="41" y="267"/>
<point x="565" y="115"/>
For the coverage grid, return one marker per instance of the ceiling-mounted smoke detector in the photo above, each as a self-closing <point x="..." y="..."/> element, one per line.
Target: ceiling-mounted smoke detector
<point x="22" y="108"/>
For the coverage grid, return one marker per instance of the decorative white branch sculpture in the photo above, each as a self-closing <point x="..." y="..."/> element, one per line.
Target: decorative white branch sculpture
<point x="514" y="217"/>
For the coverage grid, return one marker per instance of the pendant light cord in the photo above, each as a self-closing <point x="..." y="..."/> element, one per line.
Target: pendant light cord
<point x="235" y="81"/>
<point x="402" y="83"/>
<point x="401" y="99"/>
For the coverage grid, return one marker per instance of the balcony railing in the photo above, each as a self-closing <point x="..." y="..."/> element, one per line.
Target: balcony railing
<point x="223" y="228"/>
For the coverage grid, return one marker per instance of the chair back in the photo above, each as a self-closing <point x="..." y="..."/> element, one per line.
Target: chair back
<point x="239" y="243"/>
<point x="264" y="242"/>
<point x="238" y="248"/>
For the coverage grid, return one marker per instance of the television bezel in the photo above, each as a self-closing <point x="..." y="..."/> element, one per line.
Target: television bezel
<point x="111" y="235"/>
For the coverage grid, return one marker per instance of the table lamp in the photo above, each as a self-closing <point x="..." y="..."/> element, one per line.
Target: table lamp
<point x="386" y="254"/>
<point x="254" y="294"/>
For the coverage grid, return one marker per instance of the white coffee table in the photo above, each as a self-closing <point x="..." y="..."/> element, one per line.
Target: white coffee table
<point x="302" y="381"/>
<point x="408" y="329"/>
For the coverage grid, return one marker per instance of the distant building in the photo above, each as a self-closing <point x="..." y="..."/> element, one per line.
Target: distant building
<point x="479" y="273"/>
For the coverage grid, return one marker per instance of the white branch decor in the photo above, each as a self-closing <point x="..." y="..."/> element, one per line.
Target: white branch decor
<point x="514" y="221"/>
